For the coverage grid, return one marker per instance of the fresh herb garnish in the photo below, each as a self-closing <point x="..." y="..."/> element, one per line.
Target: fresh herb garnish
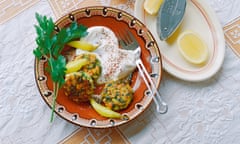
<point x="50" y="45"/>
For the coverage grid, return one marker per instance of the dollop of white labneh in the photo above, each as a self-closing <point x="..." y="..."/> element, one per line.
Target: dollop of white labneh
<point x="116" y="63"/>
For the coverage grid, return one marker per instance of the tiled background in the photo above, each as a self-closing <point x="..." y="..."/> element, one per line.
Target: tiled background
<point x="11" y="8"/>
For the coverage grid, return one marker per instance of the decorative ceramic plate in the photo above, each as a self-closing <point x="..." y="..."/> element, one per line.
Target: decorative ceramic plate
<point x="83" y="114"/>
<point x="200" y="19"/>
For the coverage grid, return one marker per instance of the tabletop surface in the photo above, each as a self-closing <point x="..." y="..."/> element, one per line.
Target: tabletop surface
<point x="199" y="112"/>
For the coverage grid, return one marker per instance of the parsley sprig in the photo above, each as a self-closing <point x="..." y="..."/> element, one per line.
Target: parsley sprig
<point x="50" y="45"/>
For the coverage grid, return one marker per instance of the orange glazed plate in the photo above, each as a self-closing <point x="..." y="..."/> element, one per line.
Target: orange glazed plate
<point x="83" y="114"/>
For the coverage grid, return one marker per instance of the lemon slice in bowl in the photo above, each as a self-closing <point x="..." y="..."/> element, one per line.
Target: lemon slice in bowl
<point x="104" y="111"/>
<point x="152" y="6"/>
<point x="83" y="45"/>
<point x="192" y="47"/>
<point x="74" y="66"/>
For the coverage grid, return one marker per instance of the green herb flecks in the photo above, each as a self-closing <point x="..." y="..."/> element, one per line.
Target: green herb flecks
<point x="50" y="45"/>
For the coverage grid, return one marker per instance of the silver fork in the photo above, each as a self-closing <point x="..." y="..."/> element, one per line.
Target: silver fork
<point x="127" y="41"/>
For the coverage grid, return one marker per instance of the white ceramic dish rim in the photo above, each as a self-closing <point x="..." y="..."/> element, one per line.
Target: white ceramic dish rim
<point x="218" y="49"/>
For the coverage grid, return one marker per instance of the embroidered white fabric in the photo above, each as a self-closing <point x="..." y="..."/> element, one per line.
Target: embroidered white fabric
<point x="205" y="112"/>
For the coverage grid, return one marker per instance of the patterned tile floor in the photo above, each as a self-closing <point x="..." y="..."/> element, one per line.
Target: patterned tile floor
<point x="10" y="8"/>
<point x="100" y="136"/>
<point x="232" y="35"/>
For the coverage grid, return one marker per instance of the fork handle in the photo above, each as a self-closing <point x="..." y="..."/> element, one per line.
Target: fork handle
<point x="161" y="106"/>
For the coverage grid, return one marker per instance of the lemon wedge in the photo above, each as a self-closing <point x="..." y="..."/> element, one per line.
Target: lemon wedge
<point x="152" y="6"/>
<point x="104" y="111"/>
<point x="83" y="45"/>
<point x="192" y="47"/>
<point x="75" y="65"/>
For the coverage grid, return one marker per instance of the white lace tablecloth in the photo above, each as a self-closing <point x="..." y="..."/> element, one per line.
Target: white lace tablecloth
<point x="205" y="113"/>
